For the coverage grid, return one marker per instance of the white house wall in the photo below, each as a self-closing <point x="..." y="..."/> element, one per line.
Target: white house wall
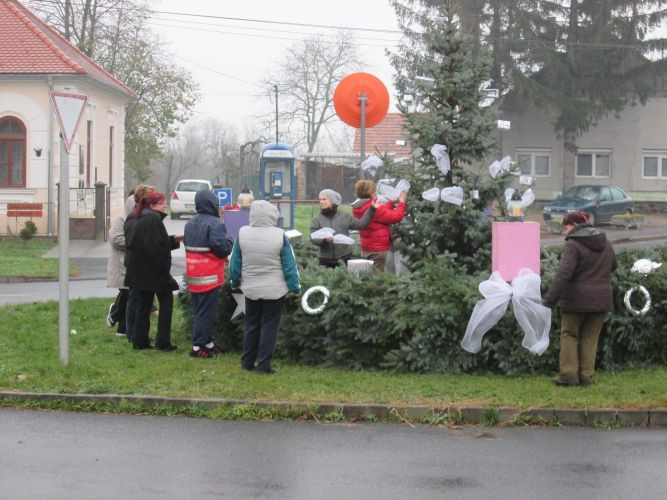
<point x="27" y="98"/>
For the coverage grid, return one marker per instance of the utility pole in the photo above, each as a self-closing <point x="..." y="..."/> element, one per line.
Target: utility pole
<point x="275" y="89"/>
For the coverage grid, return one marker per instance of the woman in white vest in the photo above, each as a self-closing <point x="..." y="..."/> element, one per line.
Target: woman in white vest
<point x="263" y="265"/>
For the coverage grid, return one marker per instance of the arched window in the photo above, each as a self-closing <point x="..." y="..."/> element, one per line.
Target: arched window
<point x="12" y="152"/>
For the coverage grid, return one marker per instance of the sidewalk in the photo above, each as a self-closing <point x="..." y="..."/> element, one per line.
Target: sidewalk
<point x="91" y="257"/>
<point x="615" y="234"/>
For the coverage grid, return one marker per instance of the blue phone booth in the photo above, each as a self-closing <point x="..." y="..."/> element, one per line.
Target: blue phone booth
<point x="276" y="180"/>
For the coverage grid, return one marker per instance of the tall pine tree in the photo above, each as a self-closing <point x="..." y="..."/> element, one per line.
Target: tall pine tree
<point x="444" y="72"/>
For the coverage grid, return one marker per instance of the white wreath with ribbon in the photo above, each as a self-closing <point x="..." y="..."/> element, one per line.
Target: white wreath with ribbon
<point x="647" y="299"/>
<point x="532" y="316"/>
<point x="304" y="300"/>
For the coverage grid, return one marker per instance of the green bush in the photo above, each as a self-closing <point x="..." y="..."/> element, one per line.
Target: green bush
<point x="415" y="323"/>
<point x="28" y="231"/>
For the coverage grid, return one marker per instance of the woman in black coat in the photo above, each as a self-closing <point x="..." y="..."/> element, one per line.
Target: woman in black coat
<point x="148" y="265"/>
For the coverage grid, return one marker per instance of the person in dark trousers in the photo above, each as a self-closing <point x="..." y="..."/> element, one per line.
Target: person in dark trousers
<point x="206" y="249"/>
<point x="148" y="262"/>
<point x="263" y="265"/>
<point x="130" y="308"/>
<point x="583" y="286"/>
<point x="333" y="254"/>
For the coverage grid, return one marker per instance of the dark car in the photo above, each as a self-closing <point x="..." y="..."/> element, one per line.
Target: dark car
<point x="600" y="202"/>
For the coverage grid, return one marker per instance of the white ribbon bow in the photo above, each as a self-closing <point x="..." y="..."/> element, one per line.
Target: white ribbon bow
<point x="452" y="194"/>
<point x="645" y="266"/>
<point x="527" y="198"/>
<point x="532" y="316"/>
<point x="371" y="162"/>
<point x="504" y="165"/>
<point x="439" y="151"/>
<point x="431" y="194"/>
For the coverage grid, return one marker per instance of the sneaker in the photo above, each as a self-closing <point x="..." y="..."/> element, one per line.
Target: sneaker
<point x="267" y="371"/>
<point x="119" y="334"/>
<point x="140" y="347"/>
<point x="110" y="320"/>
<point x="215" y="349"/>
<point x="167" y="348"/>
<point x="202" y="352"/>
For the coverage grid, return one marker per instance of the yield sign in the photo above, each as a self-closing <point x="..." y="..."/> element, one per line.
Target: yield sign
<point x="69" y="110"/>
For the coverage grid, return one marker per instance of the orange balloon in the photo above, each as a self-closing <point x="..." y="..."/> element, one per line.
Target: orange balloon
<point x="348" y="105"/>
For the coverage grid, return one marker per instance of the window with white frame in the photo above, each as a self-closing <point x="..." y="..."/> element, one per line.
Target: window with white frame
<point x="654" y="165"/>
<point x="593" y="163"/>
<point x="536" y="163"/>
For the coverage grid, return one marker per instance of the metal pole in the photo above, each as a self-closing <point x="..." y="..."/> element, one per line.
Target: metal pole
<point x="63" y="247"/>
<point x="275" y="89"/>
<point x="49" y="192"/>
<point x="362" y="98"/>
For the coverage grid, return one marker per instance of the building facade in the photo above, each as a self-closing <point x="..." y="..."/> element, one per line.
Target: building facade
<point x="35" y="61"/>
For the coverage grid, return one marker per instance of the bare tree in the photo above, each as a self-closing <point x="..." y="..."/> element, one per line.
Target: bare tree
<point x="182" y="156"/>
<point x="306" y="80"/>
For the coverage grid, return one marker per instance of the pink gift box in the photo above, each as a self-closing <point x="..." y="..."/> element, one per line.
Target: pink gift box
<point x="515" y="245"/>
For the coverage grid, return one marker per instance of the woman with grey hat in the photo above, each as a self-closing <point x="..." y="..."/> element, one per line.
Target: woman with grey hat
<point x="331" y="254"/>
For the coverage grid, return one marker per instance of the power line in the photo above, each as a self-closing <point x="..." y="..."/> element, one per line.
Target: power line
<point x="222" y="74"/>
<point x="200" y="23"/>
<point x="259" y="36"/>
<point x="251" y="20"/>
<point x="286" y="23"/>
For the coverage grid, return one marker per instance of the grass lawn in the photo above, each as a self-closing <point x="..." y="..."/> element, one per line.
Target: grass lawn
<point x="102" y="363"/>
<point x="24" y="259"/>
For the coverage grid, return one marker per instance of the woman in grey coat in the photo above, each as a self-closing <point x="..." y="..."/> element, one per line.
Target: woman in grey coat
<point x="264" y="266"/>
<point x="331" y="254"/>
<point x="116" y="269"/>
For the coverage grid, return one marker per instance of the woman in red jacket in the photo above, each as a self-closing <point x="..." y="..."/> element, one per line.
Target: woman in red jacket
<point x="376" y="237"/>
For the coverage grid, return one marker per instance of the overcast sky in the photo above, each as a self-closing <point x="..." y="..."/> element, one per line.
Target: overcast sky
<point x="229" y="57"/>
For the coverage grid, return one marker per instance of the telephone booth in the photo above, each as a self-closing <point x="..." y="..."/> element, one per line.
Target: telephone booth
<point x="276" y="180"/>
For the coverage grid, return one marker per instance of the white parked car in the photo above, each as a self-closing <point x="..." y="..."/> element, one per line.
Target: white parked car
<point x="182" y="200"/>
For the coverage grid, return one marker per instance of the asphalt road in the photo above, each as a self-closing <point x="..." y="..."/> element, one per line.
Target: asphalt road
<point x="73" y="455"/>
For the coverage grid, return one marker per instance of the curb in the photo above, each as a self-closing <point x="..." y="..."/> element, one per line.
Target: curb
<point x="27" y="279"/>
<point x="418" y="414"/>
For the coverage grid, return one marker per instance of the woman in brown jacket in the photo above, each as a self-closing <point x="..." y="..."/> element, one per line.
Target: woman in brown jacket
<point x="583" y="286"/>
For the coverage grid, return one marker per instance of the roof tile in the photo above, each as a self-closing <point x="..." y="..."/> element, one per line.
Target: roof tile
<point x="30" y="46"/>
<point x="383" y="136"/>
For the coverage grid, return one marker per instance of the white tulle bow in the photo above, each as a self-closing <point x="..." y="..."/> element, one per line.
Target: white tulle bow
<point x="645" y="266"/>
<point x="527" y="198"/>
<point x="371" y="162"/>
<point x="532" y="316"/>
<point x="439" y="152"/>
<point x="504" y="165"/>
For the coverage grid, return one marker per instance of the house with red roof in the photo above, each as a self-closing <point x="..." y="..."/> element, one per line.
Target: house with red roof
<point x="34" y="61"/>
<point x="388" y="136"/>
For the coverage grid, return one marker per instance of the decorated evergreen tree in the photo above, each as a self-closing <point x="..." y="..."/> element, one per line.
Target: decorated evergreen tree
<point x="440" y="77"/>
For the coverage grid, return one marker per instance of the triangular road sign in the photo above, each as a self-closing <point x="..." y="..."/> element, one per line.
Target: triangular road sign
<point x="69" y="110"/>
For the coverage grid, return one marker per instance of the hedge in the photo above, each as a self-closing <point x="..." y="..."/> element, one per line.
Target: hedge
<point x="415" y="323"/>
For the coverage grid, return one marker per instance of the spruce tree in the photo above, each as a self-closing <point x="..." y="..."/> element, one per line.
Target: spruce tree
<point x="444" y="73"/>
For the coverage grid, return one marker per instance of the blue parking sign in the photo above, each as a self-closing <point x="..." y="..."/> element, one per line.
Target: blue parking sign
<point x="224" y="195"/>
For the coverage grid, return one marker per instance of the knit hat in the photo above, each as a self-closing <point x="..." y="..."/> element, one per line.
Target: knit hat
<point x="332" y="195"/>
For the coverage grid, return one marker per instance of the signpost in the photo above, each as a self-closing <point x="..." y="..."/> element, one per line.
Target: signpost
<point x="361" y="100"/>
<point x="224" y="195"/>
<point x="69" y="109"/>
